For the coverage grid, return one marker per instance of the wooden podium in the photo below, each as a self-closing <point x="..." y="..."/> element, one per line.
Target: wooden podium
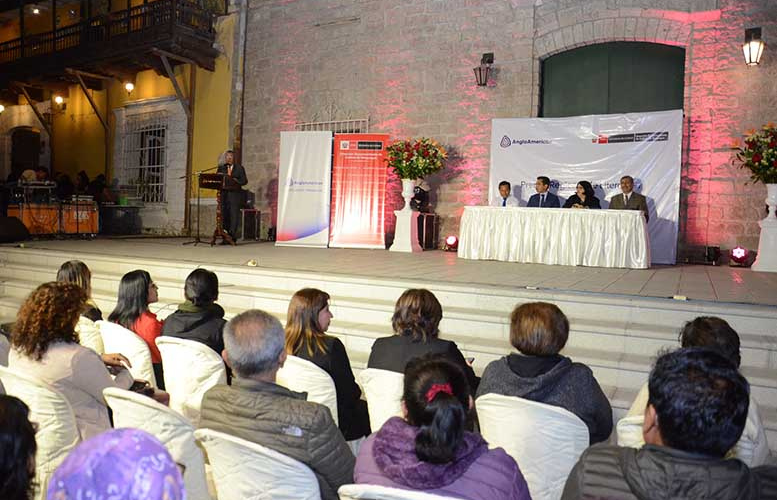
<point x="219" y="182"/>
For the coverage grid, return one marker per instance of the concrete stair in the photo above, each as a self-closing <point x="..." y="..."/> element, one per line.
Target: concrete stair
<point x="617" y="336"/>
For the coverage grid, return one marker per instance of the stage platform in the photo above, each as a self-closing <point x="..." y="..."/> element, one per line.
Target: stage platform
<point x="619" y="318"/>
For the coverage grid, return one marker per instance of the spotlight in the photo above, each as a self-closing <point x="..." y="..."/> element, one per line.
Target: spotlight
<point x="739" y="257"/>
<point x="451" y="244"/>
<point x="58" y="99"/>
<point x="2" y="108"/>
<point x="129" y="87"/>
<point x="711" y="255"/>
<point x="35" y="11"/>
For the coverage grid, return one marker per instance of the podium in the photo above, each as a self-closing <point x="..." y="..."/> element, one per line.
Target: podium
<point x="219" y="182"/>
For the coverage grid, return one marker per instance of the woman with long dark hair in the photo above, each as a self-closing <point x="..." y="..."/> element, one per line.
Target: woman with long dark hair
<point x="583" y="198"/>
<point x="307" y="321"/>
<point x="45" y="345"/>
<point x="136" y="291"/>
<point x="430" y="449"/>
<point x="17" y="450"/>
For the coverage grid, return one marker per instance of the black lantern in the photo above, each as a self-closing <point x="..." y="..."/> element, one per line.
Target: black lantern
<point x="753" y="46"/>
<point x="481" y="72"/>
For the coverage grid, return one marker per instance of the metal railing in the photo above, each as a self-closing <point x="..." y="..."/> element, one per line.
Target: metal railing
<point x="136" y="21"/>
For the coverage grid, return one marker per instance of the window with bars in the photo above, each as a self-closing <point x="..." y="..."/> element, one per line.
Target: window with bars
<point x="145" y="155"/>
<point x="355" y="126"/>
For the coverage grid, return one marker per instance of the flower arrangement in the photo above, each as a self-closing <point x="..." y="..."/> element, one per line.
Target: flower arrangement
<point x="415" y="158"/>
<point x="759" y="154"/>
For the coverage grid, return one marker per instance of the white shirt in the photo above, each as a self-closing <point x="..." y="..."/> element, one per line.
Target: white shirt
<point x="510" y="202"/>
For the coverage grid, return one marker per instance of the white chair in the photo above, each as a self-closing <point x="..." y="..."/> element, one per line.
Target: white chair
<point x="89" y="335"/>
<point x="301" y="375"/>
<point x="629" y="431"/>
<point x="383" y="391"/>
<point x="5" y="348"/>
<point x="191" y="368"/>
<point x="246" y="470"/>
<point x="546" y="441"/>
<point x="171" y="429"/>
<point x="374" y="492"/>
<point x="117" y="339"/>
<point x="57" y="431"/>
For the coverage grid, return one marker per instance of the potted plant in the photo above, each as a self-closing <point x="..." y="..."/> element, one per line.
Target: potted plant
<point x="414" y="159"/>
<point x="758" y="154"/>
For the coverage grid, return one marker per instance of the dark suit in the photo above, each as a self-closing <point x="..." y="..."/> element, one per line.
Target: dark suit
<point x="393" y="353"/>
<point x="232" y="198"/>
<point x="590" y="202"/>
<point x="551" y="201"/>
<point x="636" y="202"/>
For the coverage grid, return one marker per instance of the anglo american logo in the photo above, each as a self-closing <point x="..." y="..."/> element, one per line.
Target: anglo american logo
<point x="506" y="142"/>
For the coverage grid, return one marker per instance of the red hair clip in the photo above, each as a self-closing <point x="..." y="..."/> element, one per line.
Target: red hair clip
<point x="436" y="389"/>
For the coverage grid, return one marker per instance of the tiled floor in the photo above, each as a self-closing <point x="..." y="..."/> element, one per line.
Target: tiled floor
<point x="719" y="284"/>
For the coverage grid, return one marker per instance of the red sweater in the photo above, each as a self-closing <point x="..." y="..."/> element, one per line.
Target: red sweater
<point x="149" y="328"/>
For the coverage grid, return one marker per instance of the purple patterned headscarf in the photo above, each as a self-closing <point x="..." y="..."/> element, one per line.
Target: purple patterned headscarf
<point x="121" y="464"/>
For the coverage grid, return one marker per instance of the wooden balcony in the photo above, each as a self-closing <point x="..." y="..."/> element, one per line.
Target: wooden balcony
<point x="117" y="44"/>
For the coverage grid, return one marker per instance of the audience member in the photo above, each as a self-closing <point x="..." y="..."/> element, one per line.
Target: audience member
<point x="17" y="450"/>
<point x="715" y="333"/>
<point x="255" y="408"/>
<point x="429" y="449"/>
<point x="306" y="324"/>
<point x="82" y="182"/>
<point x="75" y="271"/>
<point x="696" y="412"/>
<point x="136" y="292"/>
<point x="539" y="330"/>
<point x="121" y="464"/>
<point x="416" y="321"/>
<point x="504" y="199"/>
<point x="199" y="318"/>
<point x="628" y="199"/>
<point x="543" y="198"/>
<point x="583" y="197"/>
<point x="45" y="344"/>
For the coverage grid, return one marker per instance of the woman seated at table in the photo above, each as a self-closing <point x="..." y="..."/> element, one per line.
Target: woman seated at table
<point x="584" y="198"/>
<point x="45" y="345"/>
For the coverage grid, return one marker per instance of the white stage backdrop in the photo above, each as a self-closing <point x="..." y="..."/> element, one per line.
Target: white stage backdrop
<point x="303" y="189"/>
<point x="600" y="149"/>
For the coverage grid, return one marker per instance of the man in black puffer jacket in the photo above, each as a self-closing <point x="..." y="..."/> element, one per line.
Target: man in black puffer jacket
<point x="697" y="409"/>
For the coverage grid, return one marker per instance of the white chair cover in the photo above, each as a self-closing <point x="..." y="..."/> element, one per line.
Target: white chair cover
<point x="246" y="470"/>
<point x="629" y="431"/>
<point x="172" y="430"/>
<point x="374" y="492"/>
<point x="117" y="339"/>
<point x="191" y="368"/>
<point x="383" y="391"/>
<point x="301" y="375"/>
<point x="5" y="348"/>
<point x="57" y="431"/>
<point x="89" y="335"/>
<point x="546" y="441"/>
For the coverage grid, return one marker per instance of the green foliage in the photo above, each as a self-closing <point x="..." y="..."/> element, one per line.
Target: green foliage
<point x="416" y="158"/>
<point x="759" y="154"/>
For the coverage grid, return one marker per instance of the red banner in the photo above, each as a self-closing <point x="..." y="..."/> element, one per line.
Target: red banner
<point x="359" y="176"/>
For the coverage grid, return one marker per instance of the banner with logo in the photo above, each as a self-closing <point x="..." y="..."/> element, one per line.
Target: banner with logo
<point x="359" y="176"/>
<point x="303" y="189"/>
<point x="600" y="149"/>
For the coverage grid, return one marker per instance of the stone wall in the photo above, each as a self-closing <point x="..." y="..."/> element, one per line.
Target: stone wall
<point x="408" y="65"/>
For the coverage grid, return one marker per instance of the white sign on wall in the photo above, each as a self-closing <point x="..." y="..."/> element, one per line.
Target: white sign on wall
<point x="600" y="149"/>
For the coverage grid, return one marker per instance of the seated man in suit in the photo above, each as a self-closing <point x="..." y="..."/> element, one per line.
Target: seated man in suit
<point x="257" y="409"/>
<point x="543" y="198"/>
<point x="629" y="200"/>
<point x="504" y="199"/>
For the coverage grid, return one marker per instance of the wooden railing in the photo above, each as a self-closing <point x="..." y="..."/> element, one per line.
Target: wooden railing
<point x="136" y="22"/>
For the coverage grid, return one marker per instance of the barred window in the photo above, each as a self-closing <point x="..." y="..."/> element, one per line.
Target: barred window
<point x="355" y="126"/>
<point x="145" y="155"/>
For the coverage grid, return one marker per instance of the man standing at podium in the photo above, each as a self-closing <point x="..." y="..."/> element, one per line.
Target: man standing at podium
<point x="232" y="195"/>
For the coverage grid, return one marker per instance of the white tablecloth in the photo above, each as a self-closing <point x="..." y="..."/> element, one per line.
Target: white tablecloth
<point x="571" y="237"/>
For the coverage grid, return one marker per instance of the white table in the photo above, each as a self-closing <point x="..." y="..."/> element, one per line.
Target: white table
<point x="570" y="237"/>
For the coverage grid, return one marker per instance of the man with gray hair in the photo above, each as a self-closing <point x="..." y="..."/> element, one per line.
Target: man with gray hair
<point x="255" y="408"/>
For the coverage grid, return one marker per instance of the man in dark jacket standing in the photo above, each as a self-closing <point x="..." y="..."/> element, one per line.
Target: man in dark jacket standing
<point x="232" y="194"/>
<point x="696" y="412"/>
<point x="255" y="408"/>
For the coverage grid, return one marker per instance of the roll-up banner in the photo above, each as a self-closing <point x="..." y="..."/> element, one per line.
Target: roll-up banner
<point x="600" y="149"/>
<point x="359" y="176"/>
<point x="303" y="189"/>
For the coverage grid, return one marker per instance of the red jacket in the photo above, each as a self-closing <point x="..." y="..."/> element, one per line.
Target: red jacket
<point x="149" y="328"/>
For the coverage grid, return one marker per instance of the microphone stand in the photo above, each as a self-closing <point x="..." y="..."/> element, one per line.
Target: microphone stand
<point x="196" y="239"/>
